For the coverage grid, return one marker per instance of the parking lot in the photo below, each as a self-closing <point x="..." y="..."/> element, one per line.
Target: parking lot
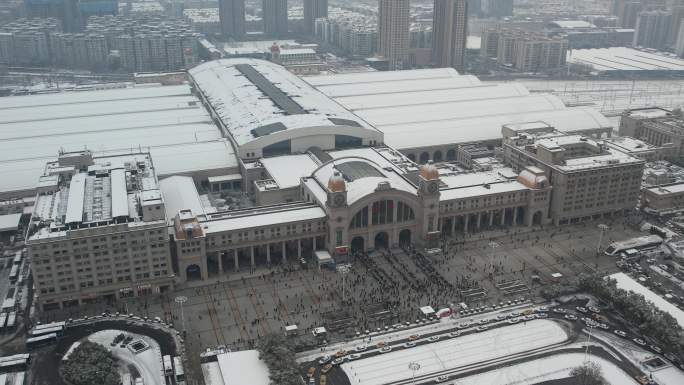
<point x="380" y="289"/>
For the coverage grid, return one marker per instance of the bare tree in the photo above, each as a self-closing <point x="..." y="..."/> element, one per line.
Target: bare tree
<point x="589" y="374"/>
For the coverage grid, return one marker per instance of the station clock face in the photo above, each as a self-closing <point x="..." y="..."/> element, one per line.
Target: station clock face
<point x="433" y="188"/>
<point x="338" y="200"/>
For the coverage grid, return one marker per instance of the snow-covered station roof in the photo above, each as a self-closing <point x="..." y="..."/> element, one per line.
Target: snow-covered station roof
<point x="431" y="107"/>
<point x="362" y="177"/>
<point x="254" y="98"/>
<point x="168" y="121"/>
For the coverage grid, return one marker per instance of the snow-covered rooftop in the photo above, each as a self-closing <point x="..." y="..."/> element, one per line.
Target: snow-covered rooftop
<point x="180" y="193"/>
<point x="289" y="169"/>
<point x="113" y="188"/>
<point x="9" y="222"/>
<point x="625" y="59"/>
<point x="254" y="98"/>
<point x="362" y="176"/>
<point x="169" y="119"/>
<point x="430" y="107"/>
<point x="237" y="368"/>
<point x="477" y="184"/>
<point x="236" y="220"/>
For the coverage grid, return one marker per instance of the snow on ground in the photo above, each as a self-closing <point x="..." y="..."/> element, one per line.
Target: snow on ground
<point x="669" y="375"/>
<point x="211" y="372"/>
<point x="444" y="324"/>
<point x="456" y="352"/>
<point x="626" y="282"/>
<point x="148" y="363"/>
<point x="545" y="369"/>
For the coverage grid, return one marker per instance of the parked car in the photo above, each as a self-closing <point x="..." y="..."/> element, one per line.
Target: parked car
<point x="324" y="360"/>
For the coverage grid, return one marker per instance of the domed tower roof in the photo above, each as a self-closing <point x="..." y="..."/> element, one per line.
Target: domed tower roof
<point x="534" y="178"/>
<point x="429" y="172"/>
<point x="336" y="183"/>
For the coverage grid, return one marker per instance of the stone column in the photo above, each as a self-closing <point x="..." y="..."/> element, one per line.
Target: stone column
<point x="220" y="261"/>
<point x="313" y="243"/>
<point x="235" y="257"/>
<point x="453" y="226"/>
<point x="479" y="219"/>
<point x="268" y="253"/>
<point x="503" y="217"/>
<point x="299" y="248"/>
<point x="251" y="254"/>
<point x="515" y="216"/>
<point x="466" y="219"/>
<point x="491" y="218"/>
<point x="284" y="254"/>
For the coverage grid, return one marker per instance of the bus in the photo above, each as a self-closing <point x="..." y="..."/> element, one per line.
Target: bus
<point x="11" y="320"/>
<point x="59" y="330"/>
<point x="3" y="320"/>
<point x="50" y="325"/>
<point x="40" y="341"/>
<point x="14" y="273"/>
<point x="17" y="258"/>
<point x="15" y="363"/>
<point x="178" y="369"/>
<point x="641" y="243"/>
<point x="168" y="366"/>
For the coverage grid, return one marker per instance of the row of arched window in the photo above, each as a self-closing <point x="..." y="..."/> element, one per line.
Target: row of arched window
<point x="382" y="212"/>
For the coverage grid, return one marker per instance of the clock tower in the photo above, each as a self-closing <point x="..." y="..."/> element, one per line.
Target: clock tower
<point x="428" y="191"/>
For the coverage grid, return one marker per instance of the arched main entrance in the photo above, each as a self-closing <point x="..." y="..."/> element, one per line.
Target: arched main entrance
<point x="405" y="237"/>
<point x="357" y="245"/>
<point x="437" y="157"/>
<point x="381" y="241"/>
<point x="193" y="273"/>
<point x="424" y="158"/>
<point x="537" y="218"/>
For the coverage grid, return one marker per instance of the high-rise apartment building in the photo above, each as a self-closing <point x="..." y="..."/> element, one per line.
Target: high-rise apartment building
<point x="679" y="43"/>
<point x="393" y="32"/>
<point x="653" y="29"/>
<point x="314" y="9"/>
<point x="66" y="11"/>
<point x="275" y="17"/>
<point x="627" y="12"/>
<point x="232" y="18"/>
<point x="523" y="50"/>
<point x="497" y="8"/>
<point x="677" y="17"/>
<point x="449" y="33"/>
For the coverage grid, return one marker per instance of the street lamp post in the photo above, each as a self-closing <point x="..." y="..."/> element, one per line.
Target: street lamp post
<point x="603" y="227"/>
<point x="181" y="299"/>
<point x="344" y="270"/>
<point x="414" y="367"/>
<point x="493" y="245"/>
<point x="586" y="351"/>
